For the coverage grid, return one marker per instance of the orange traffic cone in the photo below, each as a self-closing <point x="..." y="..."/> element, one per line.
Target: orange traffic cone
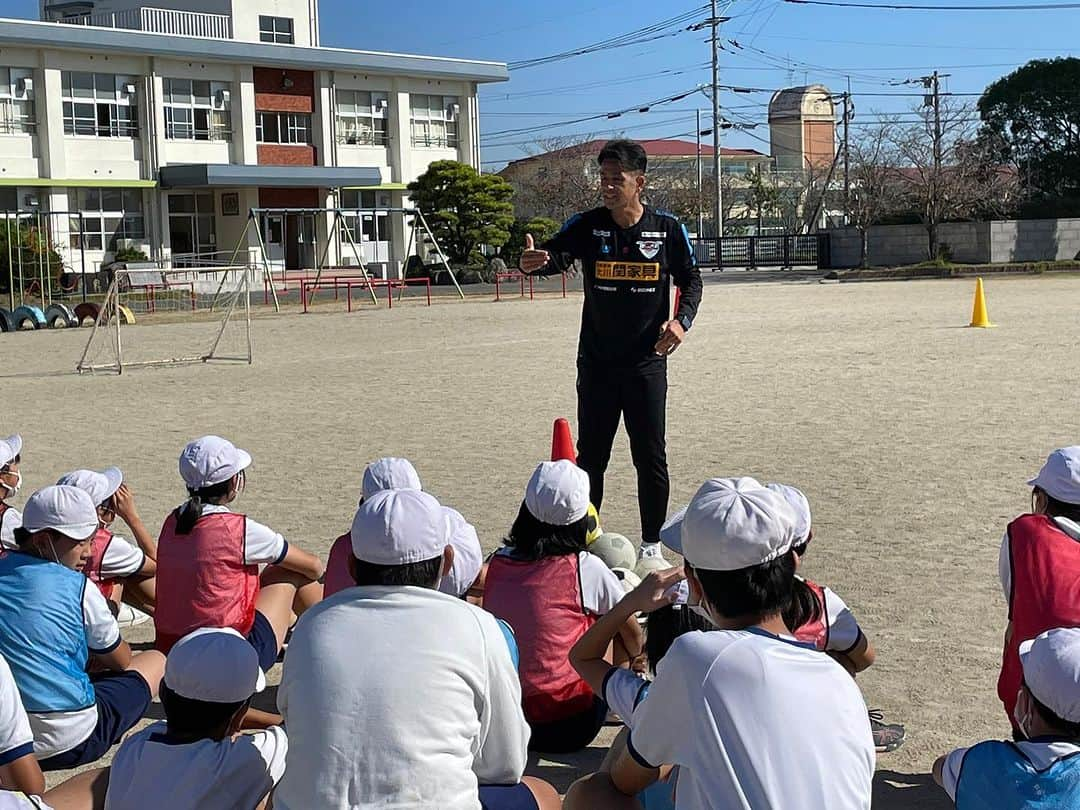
<point x="562" y="443"/>
<point x="980" y="319"/>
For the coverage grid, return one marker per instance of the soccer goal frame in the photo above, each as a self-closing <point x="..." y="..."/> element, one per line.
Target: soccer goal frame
<point x="114" y="317"/>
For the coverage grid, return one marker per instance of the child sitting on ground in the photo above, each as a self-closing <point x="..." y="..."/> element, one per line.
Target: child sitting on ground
<point x="1042" y="769"/>
<point x="209" y="558"/>
<point x="197" y="758"/>
<point x="1039" y="566"/>
<point x="817" y="615"/>
<point x="53" y="623"/>
<point x="119" y="569"/>
<point x="10" y="482"/>
<point x="550" y="590"/>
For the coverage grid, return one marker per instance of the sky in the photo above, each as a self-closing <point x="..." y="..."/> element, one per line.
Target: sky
<point x="782" y="43"/>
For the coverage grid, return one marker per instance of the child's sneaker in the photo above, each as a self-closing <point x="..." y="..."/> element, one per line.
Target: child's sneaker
<point x="650" y="551"/>
<point x="887" y="736"/>
<point x="128" y="616"/>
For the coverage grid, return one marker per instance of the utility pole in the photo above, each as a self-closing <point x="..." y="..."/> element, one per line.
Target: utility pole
<point x="700" y="196"/>
<point x="717" y="202"/>
<point x="847" y="168"/>
<point x="935" y="90"/>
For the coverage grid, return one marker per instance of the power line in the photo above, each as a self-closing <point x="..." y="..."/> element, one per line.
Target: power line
<point x="657" y="30"/>
<point x="491" y="99"/>
<point x="915" y="7"/>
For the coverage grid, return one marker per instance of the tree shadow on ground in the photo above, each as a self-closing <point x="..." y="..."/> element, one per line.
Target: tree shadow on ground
<point x="900" y="791"/>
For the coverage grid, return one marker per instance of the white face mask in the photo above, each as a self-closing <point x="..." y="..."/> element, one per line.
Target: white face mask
<point x="700" y="610"/>
<point x="13" y="489"/>
<point x="1021" y="722"/>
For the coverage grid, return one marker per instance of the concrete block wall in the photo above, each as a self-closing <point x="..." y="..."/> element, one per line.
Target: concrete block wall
<point x="1035" y="240"/>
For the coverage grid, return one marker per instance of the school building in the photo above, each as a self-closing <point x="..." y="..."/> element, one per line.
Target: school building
<point x="163" y="126"/>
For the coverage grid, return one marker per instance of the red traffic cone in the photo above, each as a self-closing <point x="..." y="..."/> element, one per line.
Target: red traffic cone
<point x="562" y="443"/>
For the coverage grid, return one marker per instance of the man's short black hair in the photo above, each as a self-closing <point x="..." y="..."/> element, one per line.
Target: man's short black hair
<point x="628" y="154"/>
<point x="196" y="718"/>
<point x="423" y="574"/>
<point x="751" y="593"/>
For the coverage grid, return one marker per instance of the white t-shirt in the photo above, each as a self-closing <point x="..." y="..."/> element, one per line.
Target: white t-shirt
<point x="20" y="801"/>
<point x="398" y="697"/>
<point x="9" y="522"/>
<point x="844" y="630"/>
<point x="623" y="691"/>
<point x="16" y="739"/>
<point x="1041" y="755"/>
<point x="262" y="545"/>
<point x="150" y="770"/>
<point x="756" y="721"/>
<point x="57" y="732"/>
<point x="1070" y="528"/>
<point x="122" y="559"/>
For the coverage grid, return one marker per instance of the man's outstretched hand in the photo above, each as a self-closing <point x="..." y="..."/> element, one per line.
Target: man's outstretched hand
<point x="532" y="259"/>
<point x="671" y="337"/>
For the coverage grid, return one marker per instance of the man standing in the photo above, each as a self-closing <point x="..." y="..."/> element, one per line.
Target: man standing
<point x="630" y="253"/>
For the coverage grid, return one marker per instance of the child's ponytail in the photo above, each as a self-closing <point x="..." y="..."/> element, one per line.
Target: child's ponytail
<point x="805" y="606"/>
<point x="189" y="513"/>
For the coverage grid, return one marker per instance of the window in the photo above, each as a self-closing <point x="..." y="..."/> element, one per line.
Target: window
<point x="100" y="104"/>
<point x="17" y="101"/>
<point x="109" y="214"/>
<point x="196" y="110"/>
<point x="272" y="127"/>
<point x="434" y="120"/>
<point x="369" y="226"/>
<point x="361" y="117"/>
<point x="276" y="29"/>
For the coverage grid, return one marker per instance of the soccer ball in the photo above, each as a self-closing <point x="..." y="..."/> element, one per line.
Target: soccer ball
<point x="628" y="578"/>
<point x="615" y="550"/>
<point x="646" y="565"/>
<point x="592" y="523"/>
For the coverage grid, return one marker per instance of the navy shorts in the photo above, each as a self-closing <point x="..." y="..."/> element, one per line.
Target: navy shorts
<point x="262" y="638"/>
<point x="571" y="733"/>
<point x="122" y="700"/>
<point x="507" y="797"/>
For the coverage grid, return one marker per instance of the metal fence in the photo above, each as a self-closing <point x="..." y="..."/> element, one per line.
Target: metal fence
<point x="784" y="250"/>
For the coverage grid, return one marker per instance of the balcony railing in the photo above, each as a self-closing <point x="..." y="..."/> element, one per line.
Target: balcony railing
<point x="160" y="21"/>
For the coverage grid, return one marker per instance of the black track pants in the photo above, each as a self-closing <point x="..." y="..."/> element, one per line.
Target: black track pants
<point x="640" y="397"/>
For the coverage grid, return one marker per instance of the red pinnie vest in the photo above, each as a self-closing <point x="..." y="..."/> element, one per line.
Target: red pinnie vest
<point x="98" y="546"/>
<point x="338" y="577"/>
<point x="816" y="632"/>
<point x="1045" y="586"/>
<point x="542" y="601"/>
<point x="202" y="579"/>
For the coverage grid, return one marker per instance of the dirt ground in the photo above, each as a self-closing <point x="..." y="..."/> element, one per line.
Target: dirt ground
<point x="912" y="436"/>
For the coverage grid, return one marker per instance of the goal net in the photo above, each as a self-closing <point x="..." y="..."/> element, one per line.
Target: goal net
<point x="160" y="317"/>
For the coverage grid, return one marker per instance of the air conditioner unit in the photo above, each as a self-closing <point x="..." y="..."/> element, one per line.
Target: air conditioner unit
<point x="24" y="87"/>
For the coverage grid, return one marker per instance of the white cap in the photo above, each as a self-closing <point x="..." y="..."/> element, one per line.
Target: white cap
<point x="558" y="493"/>
<point x="211" y="460"/>
<point x="399" y="526"/>
<point x="9" y="448"/>
<point x="68" y="510"/>
<point x="1051" y="663"/>
<point x="731" y="523"/>
<point x="214" y="664"/>
<point x="389" y="473"/>
<point x="800" y="505"/>
<point x="468" y="556"/>
<point x="100" y="486"/>
<point x="1060" y="475"/>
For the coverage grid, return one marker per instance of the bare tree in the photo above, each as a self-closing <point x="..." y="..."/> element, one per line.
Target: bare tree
<point x="876" y="191"/>
<point x="944" y="172"/>
<point x="673" y="187"/>
<point x="557" y="181"/>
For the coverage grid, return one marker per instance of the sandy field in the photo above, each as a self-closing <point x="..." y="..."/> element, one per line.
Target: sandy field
<point x="912" y="436"/>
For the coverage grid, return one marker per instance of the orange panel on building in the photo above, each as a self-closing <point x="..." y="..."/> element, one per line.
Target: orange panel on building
<point x="280" y="154"/>
<point x="819" y="146"/>
<point x="279" y="90"/>
<point x="289" y="198"/>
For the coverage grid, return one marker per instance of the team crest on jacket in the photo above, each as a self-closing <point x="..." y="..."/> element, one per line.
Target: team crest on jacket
<point x="649" y="247"/>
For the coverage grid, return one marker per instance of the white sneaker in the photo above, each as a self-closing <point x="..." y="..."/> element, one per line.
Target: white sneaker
<point x="650" y="558"/>
<point x="128" y="616"/>
<point x="650" y="551"/>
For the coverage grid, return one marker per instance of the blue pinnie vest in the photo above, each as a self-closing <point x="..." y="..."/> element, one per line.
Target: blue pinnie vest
<point x="999" y="774"/>
<point x="42" y="634"/>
